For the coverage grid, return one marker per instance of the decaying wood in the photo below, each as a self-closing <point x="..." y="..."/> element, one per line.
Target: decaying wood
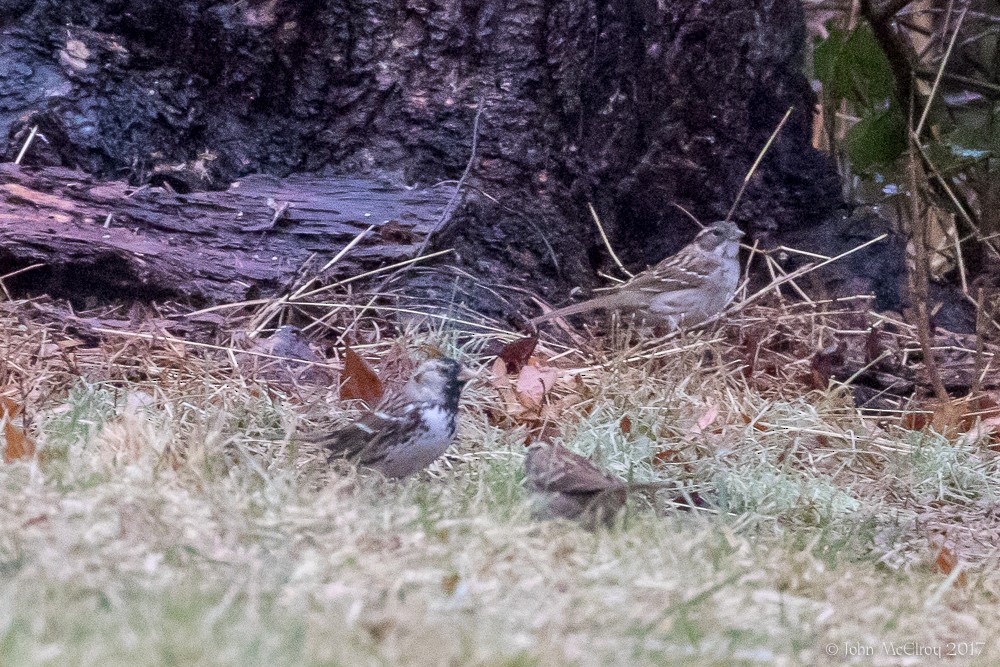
<point x="254" y="238"/>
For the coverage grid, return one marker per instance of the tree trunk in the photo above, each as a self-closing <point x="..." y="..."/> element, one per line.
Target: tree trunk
<point x="639" y="107"/>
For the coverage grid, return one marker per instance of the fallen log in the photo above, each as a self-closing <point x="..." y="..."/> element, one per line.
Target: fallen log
<point x="110" y="240"/>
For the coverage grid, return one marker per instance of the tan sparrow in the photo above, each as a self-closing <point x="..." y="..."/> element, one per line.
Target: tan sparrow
<point x="409" y="430"/>
<point x="683" y="290"/>
<point x="566" y="485"/>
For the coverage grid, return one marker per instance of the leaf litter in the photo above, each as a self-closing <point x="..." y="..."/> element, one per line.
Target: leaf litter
<point x="711" y="411"/>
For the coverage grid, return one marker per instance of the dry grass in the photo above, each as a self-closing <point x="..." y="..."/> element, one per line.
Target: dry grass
<point x="171" y="517"/>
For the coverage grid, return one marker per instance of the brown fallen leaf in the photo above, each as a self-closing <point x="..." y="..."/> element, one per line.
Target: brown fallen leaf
<point x="748" y="420"/>
<point x="501" y="381"/>
<point x="666" y="457"/>
<point x="19" y="445"/>
<point x="517" y="354"/>
<point x="75" y="55"/>
<point x="9" y="408"/>
<point x="979" y="416"/>
<point x="359" y="381"/>
<point x="706" y="419"/>
<point x="533" y="382"/>
<point x="946" y="561"/>
<point x="524" y="396"/>
<point x="689" y="501"/>
<point x="449" y="583"/>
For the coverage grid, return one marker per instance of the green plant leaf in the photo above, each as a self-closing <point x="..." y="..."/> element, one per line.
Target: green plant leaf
<point x="852" y="66"/>
<point x="877" y="139"/>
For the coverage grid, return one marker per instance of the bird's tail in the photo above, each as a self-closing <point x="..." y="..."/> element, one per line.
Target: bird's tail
<point x="617" y="300"/>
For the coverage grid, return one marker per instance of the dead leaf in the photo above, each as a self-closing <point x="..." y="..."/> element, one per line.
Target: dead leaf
<point x="915" y="420"/>
<point x="979" y="416"/>
<point x="449" y="583"/>
<point x="946" y="562"/>
<point x="533" y="383"/>
<point x="666" y="457"/>
<point x="359" y="380"/>
<point x="749" y="421"/>
<point x="9" y="408"/>
<point x="689" y="501"/>
<point x="516" y="354"/>
<point x="706" y="420"/>
<point x="823" y="364"/>
<point x="19" y="445"/>
<point x="982" y="410"/>
<point x="523" y="396"/>
<point x="498" y="373"/>
<point x="625" y="424"/>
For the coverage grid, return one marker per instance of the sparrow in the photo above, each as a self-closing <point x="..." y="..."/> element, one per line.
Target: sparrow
<point x="683" y="290"/>
<point x="568" y="486"/>
<point x="409" y="430"/>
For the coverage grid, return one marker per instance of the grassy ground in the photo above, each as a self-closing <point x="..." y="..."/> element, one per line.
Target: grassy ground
<point x="170" y="517"/>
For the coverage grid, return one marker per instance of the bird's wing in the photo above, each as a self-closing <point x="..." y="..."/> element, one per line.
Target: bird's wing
<point x="368" y="439"/>
<point x="554" y="468"/>
<point x="677" y="273"/>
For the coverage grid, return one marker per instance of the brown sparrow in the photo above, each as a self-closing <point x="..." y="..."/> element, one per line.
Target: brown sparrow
<point x="409" y="430"/>
<point x="568" y="486"/>
<point x="683" y="290"/>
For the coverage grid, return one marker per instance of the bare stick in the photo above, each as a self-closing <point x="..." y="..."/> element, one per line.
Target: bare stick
<point x="920" y="280"/>
<point x="977" y="378"/>
<point x="689" y="214"/>
<point x="3" y="285"/>
<point x="798" y="273"/>
<point x="449" y="208"/>
<point x="27" y="142"/>
<point x="607" y="243"/>
<point x="753" y="167"/>
<point x="373" y="272"/>
<point x="937" y="79"/>
<point x="274" y="307"/>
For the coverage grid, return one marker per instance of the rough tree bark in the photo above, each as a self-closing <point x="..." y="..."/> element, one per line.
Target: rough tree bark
<point x="634" y="105"/>
<point x="257" y="236"/>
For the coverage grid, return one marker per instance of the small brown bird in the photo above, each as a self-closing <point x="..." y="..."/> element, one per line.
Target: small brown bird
<point x="568" y="486"/>
<point x="409" y="430"/>
<point x="683" y="290"/>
